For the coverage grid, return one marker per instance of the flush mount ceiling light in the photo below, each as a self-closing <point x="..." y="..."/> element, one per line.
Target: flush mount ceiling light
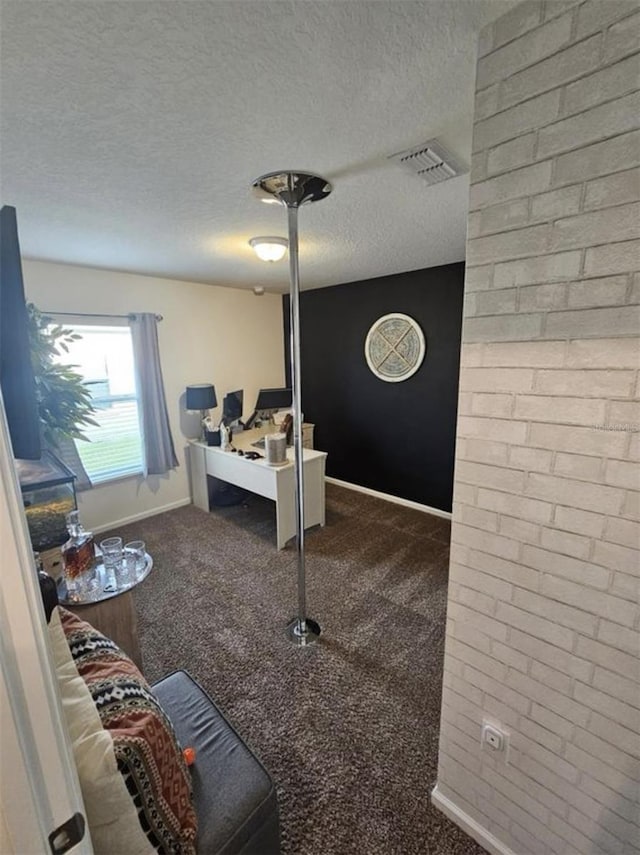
<point x="269" y="248"/>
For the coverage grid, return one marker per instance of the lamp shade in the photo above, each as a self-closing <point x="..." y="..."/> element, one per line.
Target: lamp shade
<point x="201" y="397"/>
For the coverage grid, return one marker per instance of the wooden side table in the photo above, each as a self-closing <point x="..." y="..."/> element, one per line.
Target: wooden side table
<point x="110" y="612"/>
<point x="115" y="618"/>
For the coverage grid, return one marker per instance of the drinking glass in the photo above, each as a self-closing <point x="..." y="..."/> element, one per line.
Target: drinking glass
<point x="134" y="557"/>
<point x="111" y="549"/>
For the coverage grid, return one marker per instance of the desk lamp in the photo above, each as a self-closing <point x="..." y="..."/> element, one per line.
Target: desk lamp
<point x="293" y="189"/>
<point x="202" y="397"/>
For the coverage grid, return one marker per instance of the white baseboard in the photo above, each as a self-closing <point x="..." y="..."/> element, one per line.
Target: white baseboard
<point x="436" y="512"/>
<point x="467" y="823"/>
<point x="143" y="515"/>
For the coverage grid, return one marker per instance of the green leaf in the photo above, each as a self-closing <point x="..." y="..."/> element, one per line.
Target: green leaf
<point x="64" y="402"/>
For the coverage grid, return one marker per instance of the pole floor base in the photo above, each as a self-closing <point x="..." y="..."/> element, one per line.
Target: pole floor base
<point x="303" y="639"/>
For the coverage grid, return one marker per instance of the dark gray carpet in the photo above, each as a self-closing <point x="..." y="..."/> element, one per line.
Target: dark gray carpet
<point x="349" y="728"/>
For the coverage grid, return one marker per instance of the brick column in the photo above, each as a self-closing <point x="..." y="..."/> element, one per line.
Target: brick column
<point x="543" y="616"/>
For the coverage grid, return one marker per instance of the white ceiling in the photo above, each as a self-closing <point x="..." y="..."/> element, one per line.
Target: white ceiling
<point x="132" y="131"/>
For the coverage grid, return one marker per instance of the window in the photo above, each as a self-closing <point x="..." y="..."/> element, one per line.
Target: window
<point x="104" y="357"/>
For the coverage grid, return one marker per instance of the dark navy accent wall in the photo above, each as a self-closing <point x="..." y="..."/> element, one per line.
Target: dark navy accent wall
<point x="397" y="438"/>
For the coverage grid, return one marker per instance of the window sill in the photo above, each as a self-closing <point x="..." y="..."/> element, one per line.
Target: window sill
<point x="106" y="482"/>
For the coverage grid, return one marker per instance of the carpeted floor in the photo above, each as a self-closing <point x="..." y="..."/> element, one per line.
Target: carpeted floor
<point x="348" y="728"/>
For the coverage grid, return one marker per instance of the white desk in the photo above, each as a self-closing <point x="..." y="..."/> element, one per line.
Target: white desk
<point x="273" y="482"/>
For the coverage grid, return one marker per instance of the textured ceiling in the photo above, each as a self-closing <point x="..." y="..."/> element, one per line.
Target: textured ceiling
<point x="131" y="131"/>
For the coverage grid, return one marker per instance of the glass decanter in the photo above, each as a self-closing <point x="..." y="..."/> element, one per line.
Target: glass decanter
<point x="78" y="558"/>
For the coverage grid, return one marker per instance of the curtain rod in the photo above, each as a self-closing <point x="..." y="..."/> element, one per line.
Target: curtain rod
<point x="96" y="315"/>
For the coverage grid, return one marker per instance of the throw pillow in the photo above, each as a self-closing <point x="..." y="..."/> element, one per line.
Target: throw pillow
<point x="112" y="816"/>
<point x="147" y="755"/>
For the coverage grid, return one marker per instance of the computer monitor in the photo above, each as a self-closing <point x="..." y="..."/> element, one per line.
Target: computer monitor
<point x="232" y="406"/>
<point x="273" y="399"/>
<point x="269" y="402"/>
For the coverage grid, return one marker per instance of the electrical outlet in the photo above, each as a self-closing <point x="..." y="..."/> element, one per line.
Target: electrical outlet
<point x="495" y="740"/>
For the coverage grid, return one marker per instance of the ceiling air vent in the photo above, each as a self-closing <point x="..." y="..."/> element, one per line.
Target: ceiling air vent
<point x="430" y="161"/>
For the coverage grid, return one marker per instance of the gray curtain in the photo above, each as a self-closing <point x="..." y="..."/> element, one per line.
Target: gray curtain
<point x="157" y="442"/>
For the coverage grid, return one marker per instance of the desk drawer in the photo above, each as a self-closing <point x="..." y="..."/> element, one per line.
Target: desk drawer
<point x="251" y="475"/>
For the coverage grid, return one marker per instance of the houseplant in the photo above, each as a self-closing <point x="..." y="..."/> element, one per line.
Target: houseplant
<point x="64" y="408"/>
<point x="64" y="402"/>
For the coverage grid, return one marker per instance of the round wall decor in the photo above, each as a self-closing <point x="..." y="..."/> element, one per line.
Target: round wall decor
<point x="394" y="347"/>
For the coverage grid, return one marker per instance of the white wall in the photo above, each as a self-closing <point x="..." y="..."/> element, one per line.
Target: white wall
<point x="543" y="616"/>
<point x="225" y="336"/>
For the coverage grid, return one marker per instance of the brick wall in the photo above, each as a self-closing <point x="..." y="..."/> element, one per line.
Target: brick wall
<point x="543" y="617"/>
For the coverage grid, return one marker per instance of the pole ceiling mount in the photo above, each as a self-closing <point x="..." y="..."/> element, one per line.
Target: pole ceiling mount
<point x="292" y="189"/>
